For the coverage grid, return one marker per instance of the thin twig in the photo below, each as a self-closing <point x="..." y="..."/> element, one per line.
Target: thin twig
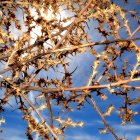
<point x="135" y="32"/>
<point x="96" y="107"/>
<point x="103" y="119"/>
<point x="30" y="103"/>
<point x="51" y="90"/>
<point x="2" y="57"/>
<point x="74" y="47"/>
<point x="107" y="68"/>
<point x="50" y="110"/>
<point x="133" y="87"/>
<point x="115" y="71"/>
<point x="37" y="112"/>
<point x="134" y="102"/>
<point x="66" y="49"/>
<point x="72" y="24"/>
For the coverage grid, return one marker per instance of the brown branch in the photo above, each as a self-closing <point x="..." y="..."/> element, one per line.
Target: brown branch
<point x="133" y="87"/>
<point x="93" y="43"/>
<point x="37" y="112"/>
<point x="131" y="35"/>
<point x="78" y="89"/>
<point x="99" y="112"/>
<point x="72" y="24"/>
<point x="21" y="50"/>
<point x="30" y="103"/>
<point x="50" y="110"/>
<point x="115" y="71"/>
<point x="2" y="57"/>
<point x="67" y="49"/>
<point x="134" y="102"/>
<point x="108" y="66"/>
<point x="72" y="48"/>
<point x="57" y="45"/>
<point x="135" y="32"/>
<point x="12" y="2"/>
<point x="35" y="74"/>
<point x="103" y="119"/>
<point x="7" y="69"/>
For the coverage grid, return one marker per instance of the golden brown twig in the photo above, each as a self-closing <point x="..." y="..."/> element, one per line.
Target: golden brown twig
<point x="47" y="90"/>
<point x="103" y="119"/>
<point x="66" y="49"/>
<point x="135" y="32"/>
<point x="50" y="109"/>
<point x="30" y="103"/>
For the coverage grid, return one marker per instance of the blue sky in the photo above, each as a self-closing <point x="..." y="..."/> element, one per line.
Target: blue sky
<point x="15" y="127"/>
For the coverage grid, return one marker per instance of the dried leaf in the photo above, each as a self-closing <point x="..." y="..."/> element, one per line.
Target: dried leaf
<point x="42" y="107"/>
<point x="109" y="110"/>
<point x="103" y="131"/>
<point x="103" y="96"/>
<point x="81" y="124"/>
<point x="2" y="121"/>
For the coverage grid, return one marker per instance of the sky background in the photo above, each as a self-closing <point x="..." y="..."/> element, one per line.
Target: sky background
<point x="15" y="127"/>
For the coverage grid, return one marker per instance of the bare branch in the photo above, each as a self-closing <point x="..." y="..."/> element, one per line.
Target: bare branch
<point x="47" y="90"/>
<point x="103" y="119"/>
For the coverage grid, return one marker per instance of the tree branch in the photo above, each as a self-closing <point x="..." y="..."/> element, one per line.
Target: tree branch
<point x="66" y="49"/>
<point x="37" y="112"/>
<point x="103" y="119"/>
<point x="73" y="47"/>
<point x="50" y="110"/>
<point x="47" y="90"/>
<point x="30" y="103"/>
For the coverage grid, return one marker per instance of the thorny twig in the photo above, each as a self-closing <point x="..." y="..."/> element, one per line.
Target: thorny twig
<point x="103" y="119"/>
<point x="47" y="90"/>
<point x="65" y="49"/>
<point x="34" y="108"/>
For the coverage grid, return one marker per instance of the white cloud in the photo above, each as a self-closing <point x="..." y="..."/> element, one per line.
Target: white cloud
<point x="129" y="131"/>
<point x="47" y="15"/>
<point x="13" y="134"/>
<point x="32" y="99"/>
<point x="81" y="136"/>
<point x="36" y="137"/>
<point x="130" y="136"/>
<point x="130" y="127"/>
<point x="11" y="103"/>
<point x="15" y="138"/>
<point x="94" y="123"/>
<point x="35" y="33"/>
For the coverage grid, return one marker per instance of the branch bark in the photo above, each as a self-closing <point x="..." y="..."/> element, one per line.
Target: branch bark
<point x="103" y="119"/>
<point x="73" y="47"/>
<point x="65" y="49"/>
<point x="47" y="90"/>
<point x="33" y="107"/>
